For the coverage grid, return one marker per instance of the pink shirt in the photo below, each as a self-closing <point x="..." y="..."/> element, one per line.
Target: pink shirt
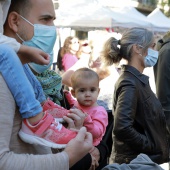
<point x="68" y="61"/>
<point x="96" y="121"/>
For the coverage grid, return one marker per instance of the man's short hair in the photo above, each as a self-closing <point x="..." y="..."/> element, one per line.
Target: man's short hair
<point x="22" y="7"/>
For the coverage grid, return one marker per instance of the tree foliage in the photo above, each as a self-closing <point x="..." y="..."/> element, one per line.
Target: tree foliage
<point x="165" y="6"/>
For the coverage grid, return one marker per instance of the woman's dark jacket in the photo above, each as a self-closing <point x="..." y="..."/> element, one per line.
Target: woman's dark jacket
<point x="139" y="121"/>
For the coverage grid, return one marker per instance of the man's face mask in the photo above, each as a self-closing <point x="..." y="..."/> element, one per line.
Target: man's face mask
<point x="44" y="38"/>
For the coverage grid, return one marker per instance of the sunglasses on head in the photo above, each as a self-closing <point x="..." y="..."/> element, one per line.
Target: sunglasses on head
<point x="85" y="44"/>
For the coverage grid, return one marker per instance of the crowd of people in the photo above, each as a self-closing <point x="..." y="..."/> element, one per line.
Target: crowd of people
<point x="58" y="120"/>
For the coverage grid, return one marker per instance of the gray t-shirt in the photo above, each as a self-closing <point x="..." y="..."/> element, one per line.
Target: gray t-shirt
<point x="15" y="154"/>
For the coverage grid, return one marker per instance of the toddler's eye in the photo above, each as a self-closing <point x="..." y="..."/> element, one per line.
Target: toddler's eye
<point x="93" y="89"/>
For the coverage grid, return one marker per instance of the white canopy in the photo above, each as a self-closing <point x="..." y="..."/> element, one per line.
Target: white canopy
<point x="89" y="16"/>
<point x="133" y="14"/>
<point x="160" y="22"/>
<point x="92" y="16"/>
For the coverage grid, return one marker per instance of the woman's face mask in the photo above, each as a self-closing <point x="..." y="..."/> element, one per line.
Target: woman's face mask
<point x="151" y="58"/>
<point x="44" y="38"/>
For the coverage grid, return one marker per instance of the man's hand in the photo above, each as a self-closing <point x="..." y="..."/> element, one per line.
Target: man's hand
<point x="78" y="147"/>
<point x="75" y="119"/>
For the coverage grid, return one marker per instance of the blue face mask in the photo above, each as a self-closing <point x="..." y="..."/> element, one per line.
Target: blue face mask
<point x="44" y="38"/>
<point x="151" y="59"/>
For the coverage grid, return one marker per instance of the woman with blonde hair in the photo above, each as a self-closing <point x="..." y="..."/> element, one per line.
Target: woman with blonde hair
<point x="67" y="55"/>
<point x="139" y="121"/>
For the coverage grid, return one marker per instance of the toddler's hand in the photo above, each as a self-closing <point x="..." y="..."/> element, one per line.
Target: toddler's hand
<point x="29" y="54"/>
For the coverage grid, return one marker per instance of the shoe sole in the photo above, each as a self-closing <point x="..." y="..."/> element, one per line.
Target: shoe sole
<point x="39" y="141"/>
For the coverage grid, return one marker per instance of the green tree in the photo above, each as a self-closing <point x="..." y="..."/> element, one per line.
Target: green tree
<point x="154" y="2"/>
<point x="164" y="3"/>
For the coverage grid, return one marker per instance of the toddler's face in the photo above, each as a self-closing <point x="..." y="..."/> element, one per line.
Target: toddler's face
<point x="87" y="92"/>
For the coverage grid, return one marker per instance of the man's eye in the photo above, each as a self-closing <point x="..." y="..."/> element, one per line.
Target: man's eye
<point x="45" y="19"/>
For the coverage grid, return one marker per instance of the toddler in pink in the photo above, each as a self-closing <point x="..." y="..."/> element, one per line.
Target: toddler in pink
<point x="85" y="88"/>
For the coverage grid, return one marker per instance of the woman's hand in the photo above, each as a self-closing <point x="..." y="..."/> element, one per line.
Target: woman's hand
<point x="94" y="163"/>
<point x="95" y="155"/>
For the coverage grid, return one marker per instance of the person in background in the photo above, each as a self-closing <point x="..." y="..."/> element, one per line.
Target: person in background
<point x="84" y="54"/>
<point x="162" y="79"/>
<point x="85" y="49"/>
<point x="67" y="55"/>
<point x="141" y="162"/>
<point x="107" y="74"/>
<point x="139" y="121"/>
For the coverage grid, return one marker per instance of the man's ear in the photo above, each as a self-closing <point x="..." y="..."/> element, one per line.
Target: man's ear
<point x="73" y="92"/>
<point x="13" y="21"/>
